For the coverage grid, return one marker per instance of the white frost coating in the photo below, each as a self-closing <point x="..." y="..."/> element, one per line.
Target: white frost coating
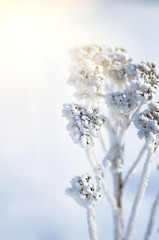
<point x="147" y="122"/>
<point x="83" y="190"/>
<point x="140" y="192"/>
<point x="92" y="228"/>
<point x="84" y="123"/>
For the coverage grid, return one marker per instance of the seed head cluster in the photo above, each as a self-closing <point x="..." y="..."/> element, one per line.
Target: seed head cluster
<point x="83" y="190"/>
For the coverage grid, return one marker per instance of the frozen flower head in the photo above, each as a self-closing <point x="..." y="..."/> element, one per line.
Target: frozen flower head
<point x="92" y="69"/>
<point x="141" y="85"/>
<point x="84" y="123"/>
<point x="145" y="81"/>
<point x="112" y="58"/>
<point x="123" y="74"/>
<point x="147" y="122"/>
<point x="125" y="101"/>
<point x="88" y="79"/>
<point x="90" y="52"/>
<point x="108" y="57"/>
<point x="83" y="190"/>
<point x="142" y="77"/>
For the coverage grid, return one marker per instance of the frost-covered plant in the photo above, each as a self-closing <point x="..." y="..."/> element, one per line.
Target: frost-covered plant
<point x="112" y="93"/>
<point x="86" y="195"/>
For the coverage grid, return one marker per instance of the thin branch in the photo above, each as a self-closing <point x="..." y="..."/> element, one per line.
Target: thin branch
<point x="92" y="228"/>
<point x="152" y="218"/>
<point x="136" y="111"/>
<point x="140" y="192"/>
<point x="104" y="140"/>
<point x="118" y="218"/>
<point x="98" y="170"/>
<point x="133" y="167"/>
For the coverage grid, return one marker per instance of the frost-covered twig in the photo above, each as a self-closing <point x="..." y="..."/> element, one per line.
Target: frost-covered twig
<point x="98" y="170"/>
<point x="104" y="140"/>
<point x="134" y="114"/>
<point x="152" y="218"/>
<point x="133" y="167"/>
<point x="141" y="191"/>
<point x="92" y="228"/>
<point x="118" y="214"/>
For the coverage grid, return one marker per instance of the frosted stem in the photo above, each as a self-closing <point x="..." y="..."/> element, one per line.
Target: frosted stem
<point x="92" y="228"/>
<point x="118" y="218"/>
<point x="97" y="169"/>
<point x="152" y="218"/>
<point x="131" y="170"/>
<point x="104" y="140"/>
<point x="140" y="192"/>
<point x="136" y="111"/>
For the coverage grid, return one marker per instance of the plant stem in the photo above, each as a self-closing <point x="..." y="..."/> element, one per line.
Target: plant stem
<point x="136" y="111"/>
<point x="98" y="170"/>
<point x="131" y="170"/>
<point x="152" y="218"/>
<point x="140" y="192"/>
<point x="104" y="141"/>
<point x="118" y="218"/>
<point x="92" y="228"/>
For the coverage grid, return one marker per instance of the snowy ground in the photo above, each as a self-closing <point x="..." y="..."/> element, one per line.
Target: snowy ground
<point x="38" y="157"/>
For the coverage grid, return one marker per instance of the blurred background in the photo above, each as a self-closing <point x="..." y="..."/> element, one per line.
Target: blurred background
<point x="37" y="155"/>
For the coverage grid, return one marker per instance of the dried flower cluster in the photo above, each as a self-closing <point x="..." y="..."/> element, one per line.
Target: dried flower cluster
<point x="83" y="190"/>
<point x="92" y="69"/>
<point x="84" y="123"/>
<point x="88" y="79"/>
<point x="141" y="85"/>
<point x="148" y="121"/>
